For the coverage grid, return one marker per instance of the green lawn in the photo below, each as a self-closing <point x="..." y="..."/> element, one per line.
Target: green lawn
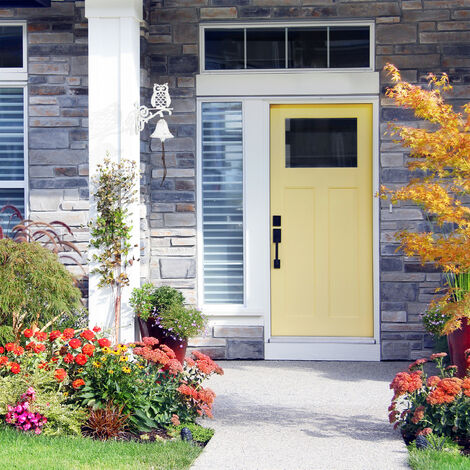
<point x="23" y="451"/>
<point x="436" y="460"/>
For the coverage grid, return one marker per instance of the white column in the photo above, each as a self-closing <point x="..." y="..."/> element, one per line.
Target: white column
<point x="114" y="90"/>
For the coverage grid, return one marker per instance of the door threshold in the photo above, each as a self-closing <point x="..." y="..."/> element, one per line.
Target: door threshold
<point x="322" y="339"/>
<point x="321" y="351"/>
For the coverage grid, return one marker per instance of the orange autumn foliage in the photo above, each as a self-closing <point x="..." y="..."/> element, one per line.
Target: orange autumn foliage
<point x="439" y="153"/>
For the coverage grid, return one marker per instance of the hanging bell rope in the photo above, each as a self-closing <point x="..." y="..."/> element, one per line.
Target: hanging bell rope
<point x="162" y="132"/>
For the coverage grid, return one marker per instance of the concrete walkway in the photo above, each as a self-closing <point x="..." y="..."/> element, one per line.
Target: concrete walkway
<point x="272" y="415"/>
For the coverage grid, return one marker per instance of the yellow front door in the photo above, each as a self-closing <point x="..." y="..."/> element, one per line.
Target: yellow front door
<point x="321" y="189"/>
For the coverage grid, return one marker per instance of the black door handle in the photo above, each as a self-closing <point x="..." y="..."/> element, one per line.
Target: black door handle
<point x="277" y="239"/>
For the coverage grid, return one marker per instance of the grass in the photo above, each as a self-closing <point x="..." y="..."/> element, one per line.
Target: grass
<point x="23" y="451"/>
<point x="437" y="460"/>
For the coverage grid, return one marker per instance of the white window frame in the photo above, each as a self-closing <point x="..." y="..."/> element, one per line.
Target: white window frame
<point x="18" y="78"/>
<point x="200" y="242"/>
<point x="292" y="24"/>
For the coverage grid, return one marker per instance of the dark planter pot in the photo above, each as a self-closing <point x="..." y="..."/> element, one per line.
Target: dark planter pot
<point x="147" y="328"/>
<point x="407" y="437"/>
<point x="459" y="341"/>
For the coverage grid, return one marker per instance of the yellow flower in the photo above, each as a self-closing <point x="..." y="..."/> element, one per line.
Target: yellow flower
<point x="66" y="394"/>
<point x="111" y="371"/>
<point x="97" y="364"/>
<point x="103" y="358"/>
<point x="139" y="366"/>
<point x="126" y="370"/>
<point x="123" y="359"/>
<point x="106" y="350"/>
<point x="80" y="370"/>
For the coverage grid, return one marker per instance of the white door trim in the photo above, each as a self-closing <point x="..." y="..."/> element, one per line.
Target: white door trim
<point x="257" y="206"/>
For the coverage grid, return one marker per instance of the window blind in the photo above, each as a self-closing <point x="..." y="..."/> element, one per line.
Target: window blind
<point x="222" y="202"/>
<point x="11" y="134"/>
<point x="13" y="197"/>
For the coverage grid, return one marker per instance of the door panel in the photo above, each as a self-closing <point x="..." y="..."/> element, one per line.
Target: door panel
<point x="321" y="186"/>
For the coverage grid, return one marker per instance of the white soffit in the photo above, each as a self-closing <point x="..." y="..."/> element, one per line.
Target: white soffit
<point x="287" y="83"/>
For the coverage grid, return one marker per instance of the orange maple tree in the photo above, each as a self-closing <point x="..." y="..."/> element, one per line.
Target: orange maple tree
<point x="440" y="157"/>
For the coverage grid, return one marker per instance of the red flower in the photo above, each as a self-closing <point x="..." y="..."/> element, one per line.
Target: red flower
<point x="60" y="374"/>
<point x="15" y="368"/>
<point x="88" y="349"/>
<point x="2" y="350"/>
<point x="40" y="335"/>
<point x="75" y="343"/>
<point x="68" y="333"/>
<point x="53" y="335"/>
<point x="28" y="333"/>
<point x="78" y="383"/>
<point x="88" y="335"/>
<point x="10" y="346"/>
<point x="3" y="360"/>
<point x="436" y="355"/>
<point x="104" y="342"/>
<point x="150" y="341"/>
<point x="38" y="348"/>
<point x="96" y="329"/>
<point x="43" y="365"/>
<point x="433" y="381"/>
<point x="81" y="359"/>
<point x="30" y="345"/>
<point x="55" y="359"/>
<point x="18" y="350"/>
<point x="68" y="359"/>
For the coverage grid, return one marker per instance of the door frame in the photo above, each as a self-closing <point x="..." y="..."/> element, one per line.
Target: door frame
<point x="313" y="88"/>
<point x="335" y="348"/>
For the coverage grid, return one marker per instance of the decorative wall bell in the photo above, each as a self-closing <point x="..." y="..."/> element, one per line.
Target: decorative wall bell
<point x="160" y="101"/>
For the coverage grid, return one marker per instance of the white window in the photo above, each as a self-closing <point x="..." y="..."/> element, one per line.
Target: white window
<point x="222" y="202"/>
<point x="13" y="169"/>
<point x="266" y="46"/>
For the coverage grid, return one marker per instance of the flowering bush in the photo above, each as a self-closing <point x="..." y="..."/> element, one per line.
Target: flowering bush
<point x="438" y="404"/>
<point x="83" y="370"/>
<point x="21" y="416"/>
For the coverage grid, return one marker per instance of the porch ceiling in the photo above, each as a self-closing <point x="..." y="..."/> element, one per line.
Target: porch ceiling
<point x="25" y="3"/>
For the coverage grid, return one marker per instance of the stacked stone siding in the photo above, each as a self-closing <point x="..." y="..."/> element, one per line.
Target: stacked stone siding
<point x="419" y="36"/>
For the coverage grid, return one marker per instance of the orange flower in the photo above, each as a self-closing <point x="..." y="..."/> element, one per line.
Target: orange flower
<point x="76" y="384"/>
<point x="418" y="415"/>
<point x="88" y="335"/>
<point x="60" y="374"/>
<point x="3" y="360"/>
<point x="175" y="420"/>
<point x="433" y="381"/>
<point x="40" y="335"/>
<point x="68" y="333"/>
<point x="466" y="386"/>
<point x="88" y="349"/>
<point x="417" y="363"/>
<point x="81" y="359"/>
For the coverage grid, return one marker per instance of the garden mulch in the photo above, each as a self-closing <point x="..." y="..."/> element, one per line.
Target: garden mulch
<point x="286" y="415"/>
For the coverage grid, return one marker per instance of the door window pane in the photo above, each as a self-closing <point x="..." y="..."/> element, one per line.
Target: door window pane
<point x="321" y="143"/>
<point x="11" y="197"/>
<point x="224" y="49"/>
<point x="349" y="47"/>
<point x="308" y="48"/>
<point x="265" y="48"/>
<point x="222" y="202"/>
<point x="11" y="46"/>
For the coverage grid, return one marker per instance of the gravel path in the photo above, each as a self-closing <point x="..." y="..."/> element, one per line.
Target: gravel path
<point x="273" y="415"/>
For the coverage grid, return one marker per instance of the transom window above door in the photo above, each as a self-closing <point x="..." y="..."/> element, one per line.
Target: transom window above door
<point x="275" y="47"/>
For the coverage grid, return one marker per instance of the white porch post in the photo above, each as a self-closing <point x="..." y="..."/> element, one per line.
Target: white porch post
<point x="114" y="89"/>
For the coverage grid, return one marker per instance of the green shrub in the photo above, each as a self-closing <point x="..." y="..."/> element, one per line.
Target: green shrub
<point x="62" y="418"/>
<point x="35" y="288"/>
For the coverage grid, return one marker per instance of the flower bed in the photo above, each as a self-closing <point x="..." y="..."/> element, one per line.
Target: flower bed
<point x="438" y="405"/>
<point x="55" y="382"/>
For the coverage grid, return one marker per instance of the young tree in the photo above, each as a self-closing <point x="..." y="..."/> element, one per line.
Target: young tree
<point x="110" y="231"/>
<point x="440" y="159"/>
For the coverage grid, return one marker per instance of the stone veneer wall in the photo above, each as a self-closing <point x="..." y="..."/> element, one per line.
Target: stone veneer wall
<point x="419" y="36"/>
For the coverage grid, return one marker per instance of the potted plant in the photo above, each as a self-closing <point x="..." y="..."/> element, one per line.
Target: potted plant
<point x="162" y="313"/>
